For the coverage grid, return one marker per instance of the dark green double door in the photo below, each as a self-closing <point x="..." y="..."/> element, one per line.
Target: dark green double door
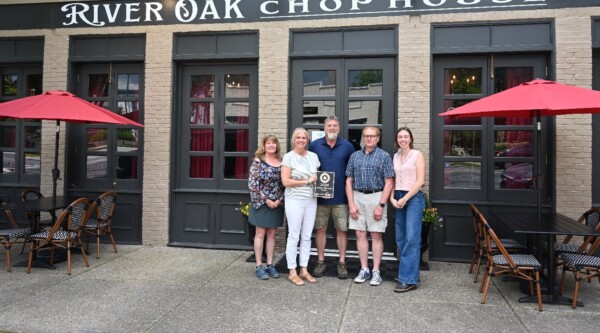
<point x="110" y="157"/>
<point x="360" y="92"/>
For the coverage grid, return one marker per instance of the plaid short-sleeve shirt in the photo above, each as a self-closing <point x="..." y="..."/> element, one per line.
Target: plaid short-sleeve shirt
<point x="369" y="171"/>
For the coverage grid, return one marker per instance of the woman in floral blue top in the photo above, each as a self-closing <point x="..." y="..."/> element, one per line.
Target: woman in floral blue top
<point x="266" y="209"/>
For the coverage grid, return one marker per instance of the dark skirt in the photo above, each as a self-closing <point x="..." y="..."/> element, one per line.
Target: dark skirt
<point x="266" y="217"/>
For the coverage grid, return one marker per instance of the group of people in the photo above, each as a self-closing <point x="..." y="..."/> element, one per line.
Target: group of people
<point x="364" y="181"/>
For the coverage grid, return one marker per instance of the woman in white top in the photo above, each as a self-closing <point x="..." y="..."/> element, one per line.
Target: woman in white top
<point x="298" y="173"/>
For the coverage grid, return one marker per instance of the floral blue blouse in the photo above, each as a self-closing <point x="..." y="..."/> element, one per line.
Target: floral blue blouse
<point x="264" y="182"/>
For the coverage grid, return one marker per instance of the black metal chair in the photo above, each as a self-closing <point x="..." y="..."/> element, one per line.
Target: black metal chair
<point x="99" y="219"/>
<point x="521" y="266"/>
<point x="9" y="236"/>
<point x="64" y="233"/>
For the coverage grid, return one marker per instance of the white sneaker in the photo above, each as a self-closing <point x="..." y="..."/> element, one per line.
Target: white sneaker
<point x="363" y="275"/>
<point x="375" y="279"/>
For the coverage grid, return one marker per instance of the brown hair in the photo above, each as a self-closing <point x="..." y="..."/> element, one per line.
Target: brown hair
<point x="410" y="145"/>
<point x="260" y="151"/>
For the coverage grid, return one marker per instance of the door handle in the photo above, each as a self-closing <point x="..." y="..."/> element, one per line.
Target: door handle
<point x="114" y="184"/>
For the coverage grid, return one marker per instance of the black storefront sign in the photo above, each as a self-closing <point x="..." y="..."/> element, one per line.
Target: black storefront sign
<point x="134" y="13"/>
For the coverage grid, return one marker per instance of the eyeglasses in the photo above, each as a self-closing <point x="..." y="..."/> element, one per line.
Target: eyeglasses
<point x="370" y="136"/>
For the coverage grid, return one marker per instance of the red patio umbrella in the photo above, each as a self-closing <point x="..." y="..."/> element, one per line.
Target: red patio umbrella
<point x="535" y="98"/>
<point x="61" y="106"/>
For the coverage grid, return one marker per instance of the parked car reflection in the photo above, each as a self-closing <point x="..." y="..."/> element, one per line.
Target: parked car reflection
<point x="517" y="176"/>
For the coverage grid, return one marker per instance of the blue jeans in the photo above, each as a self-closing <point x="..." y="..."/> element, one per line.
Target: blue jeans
<point x="408" y="236"/>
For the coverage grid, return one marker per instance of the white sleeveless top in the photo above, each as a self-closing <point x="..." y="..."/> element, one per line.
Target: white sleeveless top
<point x="302" y="168"/>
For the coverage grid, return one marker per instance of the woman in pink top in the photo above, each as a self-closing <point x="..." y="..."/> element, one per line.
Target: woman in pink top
<point x="409" y="167"/>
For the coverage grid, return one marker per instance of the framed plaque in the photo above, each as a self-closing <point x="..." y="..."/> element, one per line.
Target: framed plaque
<point x="324" y="184"/>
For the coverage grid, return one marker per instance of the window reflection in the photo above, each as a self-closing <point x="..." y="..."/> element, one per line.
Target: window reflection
<point x="127" y="140"/>
<point x="466" y="175"/>
<point x="203" y="86"/>
<point x="513" y="175"/>
<point x="453" y="104"/>
<point x="319" y="83"/>
<point x="128" y="85"/>
<point x="237" y="113"/>
<point x="508" y="77"/>
<point x="33" y="137"/>
<point x="98" y="85"/>
<point x="202" y="113"/>
<point x="34" y="84"/>
<point x="31" y="163"/>
<point x="96" y="166"/>
<point x="9" y="84"/>
<point x="96" y="139"/>
<point x="365" y="83"/>
<point x="129" y="110"/>
<point x="514" y="143"/>
<point x="365" y="112"/>
<point x="127" y="167"/>
<point x="237" y="85"/>
<point x="7" y="136"/>
<point x="462" y="143"/>
<point x="315" y="112"/>
<point x="462" y="81"/>
<point x="8" y="162"/>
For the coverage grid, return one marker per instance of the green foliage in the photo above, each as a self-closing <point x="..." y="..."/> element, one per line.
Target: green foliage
<point x="431" y="214"/>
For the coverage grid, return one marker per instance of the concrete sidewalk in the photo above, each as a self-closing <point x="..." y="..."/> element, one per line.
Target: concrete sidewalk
<point x="165" y="289"/>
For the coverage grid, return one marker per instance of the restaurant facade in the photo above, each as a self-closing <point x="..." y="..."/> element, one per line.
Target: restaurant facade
<point x="209" y="78"/>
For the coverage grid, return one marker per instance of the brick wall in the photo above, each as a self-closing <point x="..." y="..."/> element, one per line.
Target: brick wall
<point x="573" y="65"/>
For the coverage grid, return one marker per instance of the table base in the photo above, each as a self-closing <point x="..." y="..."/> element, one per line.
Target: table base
<point x="550" y="299"/>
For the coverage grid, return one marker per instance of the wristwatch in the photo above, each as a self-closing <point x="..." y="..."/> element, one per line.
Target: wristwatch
<point x="381" y="204"/>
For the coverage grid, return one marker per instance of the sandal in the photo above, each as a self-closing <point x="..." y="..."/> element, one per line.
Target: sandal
<point x="308" y="278"/>
<point x="295" y="279"/>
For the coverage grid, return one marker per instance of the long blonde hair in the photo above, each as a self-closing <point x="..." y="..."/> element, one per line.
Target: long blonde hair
<point x="260" y="151"/>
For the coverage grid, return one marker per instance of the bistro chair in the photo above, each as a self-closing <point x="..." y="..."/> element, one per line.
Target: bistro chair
<point x="480" y="249"/>
<point x="590" y="218"/>
<point x="521" y="266"/>
<point x="583" y="267"/>
<point x="99" y="219"/>
<point x="30" y="194"/>
<point x="63" y="234"/>
<point x="9" y="236"/>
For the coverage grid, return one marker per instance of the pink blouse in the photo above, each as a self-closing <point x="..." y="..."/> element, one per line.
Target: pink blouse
<point x="406" y="171"/>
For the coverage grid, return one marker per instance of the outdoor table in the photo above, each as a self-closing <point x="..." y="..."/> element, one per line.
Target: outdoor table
<point x="550" y="225"/>
<point x="46" y="204"/>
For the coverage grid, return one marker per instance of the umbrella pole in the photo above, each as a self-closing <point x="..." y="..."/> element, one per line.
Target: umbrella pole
<point x="538" y="177"/>
<point x="55" y="171"/>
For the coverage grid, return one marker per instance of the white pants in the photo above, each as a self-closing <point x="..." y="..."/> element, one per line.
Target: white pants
<point x="300" y="214"/>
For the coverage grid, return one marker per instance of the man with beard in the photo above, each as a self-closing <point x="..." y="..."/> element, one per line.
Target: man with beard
<point x="333" y="153"/>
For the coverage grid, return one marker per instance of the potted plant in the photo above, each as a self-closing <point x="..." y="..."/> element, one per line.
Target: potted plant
<point x="431" y="219"/>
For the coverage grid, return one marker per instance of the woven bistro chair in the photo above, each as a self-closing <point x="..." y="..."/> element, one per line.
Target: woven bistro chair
<point x="9" y="236"/>
<point x="31" y="194"/>
<point x="590" y="218"/>
<point x="521" y="266"/>
<point x="100" y="216"/>
<point x="63" y="234"/>
<point x="583" y="266"/>
<point x="479" y="251"/>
